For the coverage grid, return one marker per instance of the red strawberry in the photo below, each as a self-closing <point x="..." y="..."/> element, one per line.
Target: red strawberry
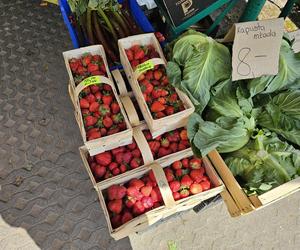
<point x="159" y="115"/>
<point x="178" y="173"/>
<point x="174" y="185"/>
<point x="174" y="147"/>
<point x="183" y="134"/>
<point x="185" y="143"/>
<point x="173" y="97"/>
<point x="74" y="64"/>
<point x="94" y="106"/>
<point x="116" y="171"/>
<point x="95" y="88"/>
<point x="127" y="216"/>
<point x="130" y="202"/>
<point x="169" y="174"/>
<point x="155" y="93"/>
<point x="184" y="193"/>
<point x="116" y="192"/>
<point x="151" y="176"/>
<point x="107" y="122"/>
<point x="141" y="77"/>
<point x="156" y="83"/>
<point x="195" y="163"/>
<point x="137" y="183"/>
<point x="146" y="87"/>
<point x="84" y="104"/>
<point x="146" y="190"/>
<point x="205" y="185"/>
<point x="107" y="87"/>
<point x="90" y="98"/>
<point x="147" y="202"/>
<point x="92" y="130"/>
<point x="197" y="174"/>
<point x="135" y="163"/>
<point x="107" y="175"/>
<point x="173" y="136"/>
<point x="97" y="73"/>
<point x="154" y="146"/>
<point x="94" y="135"/>
<point x="181" y="146"/>
<point x="157" y="74"/>
<point x="104" y="109"/>
<point x="98" y="95"/>
<point x="96" y="58"/>
<point x="163" y="152"/>
<point x="93" y="67"/>
<point x="127" y="156"/>
<point x="86" y="59"/>
<point x="147" y="134"/>
<point x="162" y="100"/>
<point x="169" y="110"/>
<point x="115" y="206"/>
<point x="165" y="143"/>
<point x="129" y="54"/>
<point x="115" y="108"/>
<point x="185" y="162"/>
<point x="149" y="75"/>
<point x="107" y="99"/>
<point x="123" y="168"/>
<point x="112" y="166"/>
<point x="104" y="158"/>
<point x="134" y="193"/>
<point x="81" y="70"/>
<point x="99" y="171"/>
<point x="138" y="208"/>
<point x="156" y="195"/>
<point x="113" y="131"/>
<point x="86" y="90"/>
<point x="134" y="63"/>
<point x="144" y="59"/>
<point x="186" y="181"/>
<point x="85" y="111"/>
<point x="117" y="118"/>
<point x="122" y="125"/>
<point x="177" y="165"/>
<point x="136" y="153"/>
<point x="119" y="157"/>
<point x="195" y="188"/>
<point x="156" y="204"/>
<point x="176" y="196"/>
<point x="139" y="54"/>
<point x="118" y="150"/>
<point x="90" y="120"/>
<point x="116" y="221"/>
<point x="157" y="107"/>
<point x="103" y="131"/>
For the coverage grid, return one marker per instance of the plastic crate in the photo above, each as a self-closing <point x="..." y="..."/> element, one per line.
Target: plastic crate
<point x="138" y="15"/>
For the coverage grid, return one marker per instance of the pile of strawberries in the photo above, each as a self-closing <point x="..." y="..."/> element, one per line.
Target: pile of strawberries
<point x="159" y="94"/>
<point x="87" y="65"/>
<point x="116" y="161"/>
<point x="134" y="198"/>
<point x="167" y="143"/>
<point x="187" y="177"/>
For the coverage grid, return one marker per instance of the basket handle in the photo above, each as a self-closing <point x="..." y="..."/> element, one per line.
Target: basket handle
<point x="163" y="185"/>
<point x="120" y="82"/>
<point x="147" y="65"/>
<point x="143" y="145"/>
<point x="130" y="110"/>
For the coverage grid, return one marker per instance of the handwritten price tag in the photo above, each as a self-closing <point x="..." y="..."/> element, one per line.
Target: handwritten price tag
<point x="91" y="80"/>
<point x="256" y="48"/>
<point x="143" y="67"/>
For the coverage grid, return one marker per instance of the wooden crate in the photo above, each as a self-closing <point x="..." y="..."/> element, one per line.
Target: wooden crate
<point x="142" y="145"/>
<point x="244" y="202"/>
<point x="156" y="126"/>
<point x="170" y="206"/>
<point x="77" y="53"/>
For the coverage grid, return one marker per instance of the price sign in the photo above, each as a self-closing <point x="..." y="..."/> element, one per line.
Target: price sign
<point x="256" y="48"/>
<point x="145" y="66"/>
<point x="295" y="35"/>
<point x="91" y="80"/>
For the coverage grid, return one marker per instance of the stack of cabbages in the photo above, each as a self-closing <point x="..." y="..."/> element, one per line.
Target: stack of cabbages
<point x="254" y="123"/>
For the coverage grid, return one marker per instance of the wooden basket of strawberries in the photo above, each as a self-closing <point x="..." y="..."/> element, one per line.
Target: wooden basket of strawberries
<point x="157" y="191"/>
<point x="162" y="105"/>
<point x="98" y="110"/>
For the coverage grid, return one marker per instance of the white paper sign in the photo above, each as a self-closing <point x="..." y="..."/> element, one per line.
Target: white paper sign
<point x="295" y="35"/>
<point x="256" y="48"/>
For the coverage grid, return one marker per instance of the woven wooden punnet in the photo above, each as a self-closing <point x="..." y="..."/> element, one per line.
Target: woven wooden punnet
<point x="156" y="126"/>
<point x="170" y="205"/>
<point x="249" y="203"/>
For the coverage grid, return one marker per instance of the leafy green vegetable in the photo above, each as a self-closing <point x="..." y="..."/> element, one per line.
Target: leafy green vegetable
<point x="288" y="73"/>
<point x="198" y="63"/>
<point x="282" y="115"/>
<point x="264" y="163"/>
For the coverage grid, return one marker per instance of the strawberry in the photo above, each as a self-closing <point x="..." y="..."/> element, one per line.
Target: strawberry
<point x="141" y="77"/>
<point x="107" y="99"/>
<point x="165" y="143"/>
<point x="90" y="120"/>
<point x="98" y="95"/>
<point x="139" y="54"/>
<point x="144" y="59"/>
<point x="84" y="104"/>
<point x="149" y="75"/>
<point x="185" y="143"/>
<point x="129" y="54"/>
<point x="103" y="131"/>
<point x="177" y="165"/>
<point x="118" y="150"/>
<point x="86" y="60"/>
<point x="136" y="153"/>
<point x="156" y="195"/>
<point x="116" y="171"/>
<point x="93" y="67"/>
<point x="134" y="63"/>
<point x="119" y="157"/>
<point x="158" y="138"/>
<point x="90" y="98"/>
<point x="122" y="125"/>
<point x="176" y="196"/>
<point x="85" y="111"/>
<point x="112" y="166"/>
<point x="185" y="162"/>
<point x="134" y="193"/>
<point x="163" y="152"/>
<point x="159" y="115"/>
<point x="99" y="171"/>
<point x="205" y="185"/>
<point x="195" y="188"/>
<point x="115" y="108"/>
<point x="173" y="97"/>
<point x="184" y="193"/>
<point x="183" y="134"/>
<point x="155" y="93"/>
<point x="96" y="58"/>
<point x="94" y="106"/>
<point x="129" y="202"/>
<point x="151" y="176"/>
<point x="127" y="216"/>
<point x="131" y="146"/>
<point x="107" y="87"/>
<point x="104" y="109"/>
<point x="147" y="202"/>
<point x="186" y="181"/>
<point x="116" y="221"/>
<point x="156" y="205"/>
<point x="138" y="208"/>
<point x="163" y="101"/>
<point x="163" y="92"/>
<point x="154" y="146"/>
<point x="81" y="70"/>
<point x="181" y="146"/>
<point x="123" y="168"/>
<point x="147" y="134"/>
<point x="195" y="163"/>
<point x="113" y="131"/>
<point x="169" y="174"/>
<point x="174" y="147"/>
<point x="197" y="174"/>
<point x="92" y="130"/>
<point x="156" y="83"/>
<point x="96" y="73"/>
<point x="127" y="156"/>
<point x="107" y="175"/>
<point x="115" y="206"/>
<point x="74" y="64"/>
<point x="116" y="192"/>
<point x="94" y="135"/>
<point x="178" y="173"/>
<point x="173" y="136"/>
<point x="146" y="190"/>
<point x="169" y="110"/>
<point x="95" y="88"/>
<point x="174" y="185"/>
<point x="86" y="90"/>
<point x="117" y="118"/>
<point x="104" y="158"/>
<point x="107" y="122"/>
<point x="157" y="74"/>
<point x="137" y="183"/>
<point x="146" y="87"/>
